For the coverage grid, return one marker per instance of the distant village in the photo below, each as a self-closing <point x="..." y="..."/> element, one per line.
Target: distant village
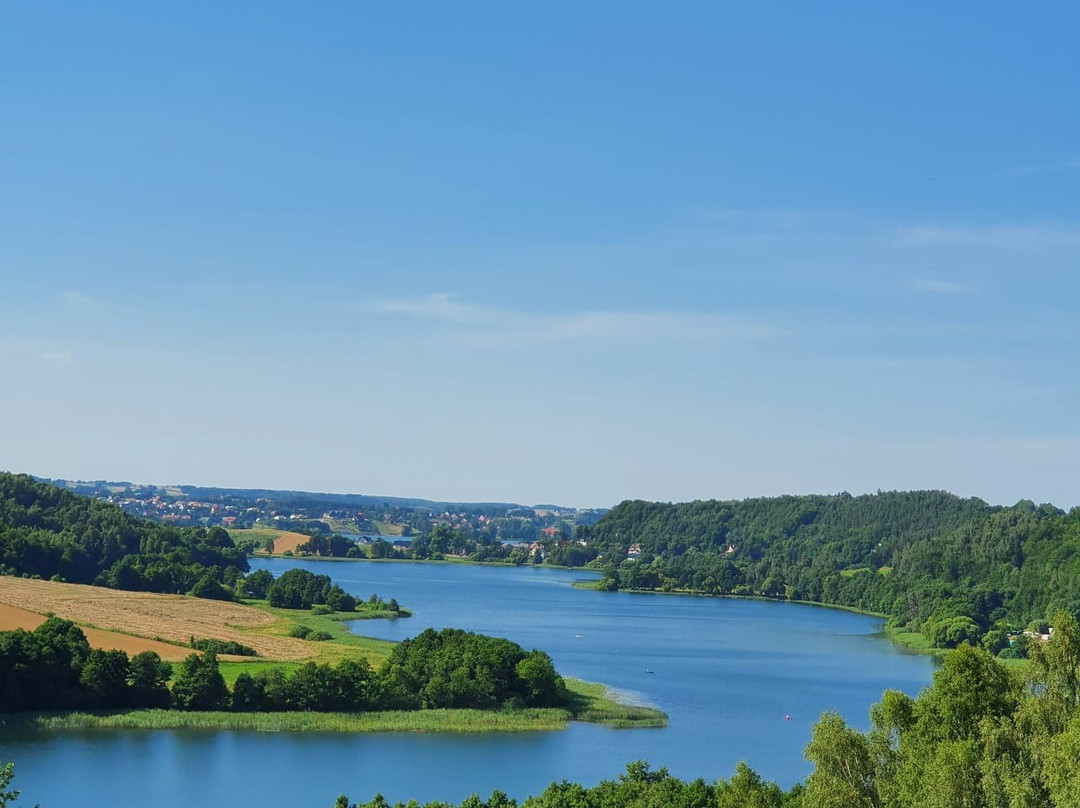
<point x="367" y="518"/>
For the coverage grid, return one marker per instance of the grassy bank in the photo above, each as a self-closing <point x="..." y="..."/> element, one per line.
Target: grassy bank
<point x="594" y="703"/>
<point x="446" y="559"/>
<point x="593" y="584"/>
<point x="914" y="641"/>
<point x="454" y="721"/>
<point x="590" y="702"/>
<point x="343" y="644"/>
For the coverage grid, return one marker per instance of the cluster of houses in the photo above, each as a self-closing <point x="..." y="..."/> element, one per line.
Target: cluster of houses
<point x="182" y="511"/>
<point x="1031" y="635"/>
<point x="234" y="509"/>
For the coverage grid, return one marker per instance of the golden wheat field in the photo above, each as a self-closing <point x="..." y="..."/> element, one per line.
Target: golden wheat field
<point x="12" y="617"/>
<point x="175" y="618"/>
<point x="284" y="540"/>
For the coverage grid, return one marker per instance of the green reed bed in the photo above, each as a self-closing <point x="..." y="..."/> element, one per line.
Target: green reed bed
<point x="594" y="703"/>
<point x="391" y="721"/>
<point x="590" y="702"/>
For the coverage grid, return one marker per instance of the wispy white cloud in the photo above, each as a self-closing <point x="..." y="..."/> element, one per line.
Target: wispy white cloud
<point x="1007" y="236"/>
<point x="80" y="300"/>
<point x="438" y="306"/>
<point x="477" y="321"/>
<point x="58" y="358"/>
<point x="1068" y="164"/>
<point x="940" y="286"/>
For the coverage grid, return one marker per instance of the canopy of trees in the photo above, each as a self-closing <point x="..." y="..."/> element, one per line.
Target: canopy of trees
<point x="53" y="668"/>
<point x="956" y="569"/>
<point x="49" y="532"/>
<point x="454" y="668"/>
<point x="638" y="786"/>
<point x="300" y="589"/>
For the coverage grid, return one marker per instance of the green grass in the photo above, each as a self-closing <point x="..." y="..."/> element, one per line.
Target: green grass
<point x="849" y="573"/>
<point x="231" y="670"/>
<point x="455" y="721"/>
<point x="590" y="702"/>
<point x="911" y="640"/>
<point x="587" y="584"/>
<point x="343" y="643"/>
<point x="389" y="528"/>
<point x="594" y="703"/>
<point x="259" y="533"/>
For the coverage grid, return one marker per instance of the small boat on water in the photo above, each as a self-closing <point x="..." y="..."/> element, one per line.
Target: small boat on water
<point x="649" y="670"/>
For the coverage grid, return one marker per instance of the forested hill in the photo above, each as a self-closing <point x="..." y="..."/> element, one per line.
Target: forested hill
<point x="50" y="532"/>
<point x="958" y="569"/>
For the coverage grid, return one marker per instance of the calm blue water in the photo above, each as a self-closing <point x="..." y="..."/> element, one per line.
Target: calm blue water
<point x="726" y="671"/>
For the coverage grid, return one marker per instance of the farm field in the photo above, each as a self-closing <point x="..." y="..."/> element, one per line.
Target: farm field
<point x="12" y="617"/>
<point x="284" y="540"/>
<point x="139" y="621"/>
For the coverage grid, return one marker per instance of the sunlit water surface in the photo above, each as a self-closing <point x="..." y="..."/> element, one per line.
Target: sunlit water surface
<point x="740" y="679"/>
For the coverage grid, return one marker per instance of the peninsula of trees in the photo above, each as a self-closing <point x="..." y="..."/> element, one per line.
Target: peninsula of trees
<point x="53" y="668"/>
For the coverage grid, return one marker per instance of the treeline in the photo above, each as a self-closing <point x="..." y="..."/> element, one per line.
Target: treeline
<point x="53" y="668"/>
<point x="455" y="668"/>
<point x="638" y="786"/>
<point x="445" y="669"/>
<point x="957" y="569"/>
<point x="441" y="541"/>
<point x="300" y="589"/>
<point x="49" y="532"/>
<point x="979" y="736"/>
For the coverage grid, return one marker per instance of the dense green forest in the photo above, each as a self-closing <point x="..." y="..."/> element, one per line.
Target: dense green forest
<point x="957" y="569"/>
<point x="49" y="532"/>
<point x="981" y="736"/>
<point x="54" y="668"/>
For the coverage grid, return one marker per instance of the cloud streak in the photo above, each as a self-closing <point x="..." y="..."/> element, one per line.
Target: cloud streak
<point x="58" y="358"/>
<point x="479" y="321"/>
<point x="1069" y="164"/>
<point x="940" y="286"/>
<point x="1004" y="236"/>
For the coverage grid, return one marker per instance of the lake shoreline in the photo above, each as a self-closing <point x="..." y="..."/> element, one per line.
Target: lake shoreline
<point x="444" y="721"/>
<point x="457" y="560"/>
<point x="590" y="703"/>
<point x="908" y="641"/>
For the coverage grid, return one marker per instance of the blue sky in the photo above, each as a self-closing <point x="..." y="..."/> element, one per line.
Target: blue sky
<point x="564" y="252"/>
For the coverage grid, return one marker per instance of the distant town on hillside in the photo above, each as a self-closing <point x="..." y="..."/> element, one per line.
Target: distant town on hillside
<point x="310" y="512"/>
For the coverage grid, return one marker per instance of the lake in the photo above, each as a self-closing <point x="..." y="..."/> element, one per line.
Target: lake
<point x="728" y="672"/>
